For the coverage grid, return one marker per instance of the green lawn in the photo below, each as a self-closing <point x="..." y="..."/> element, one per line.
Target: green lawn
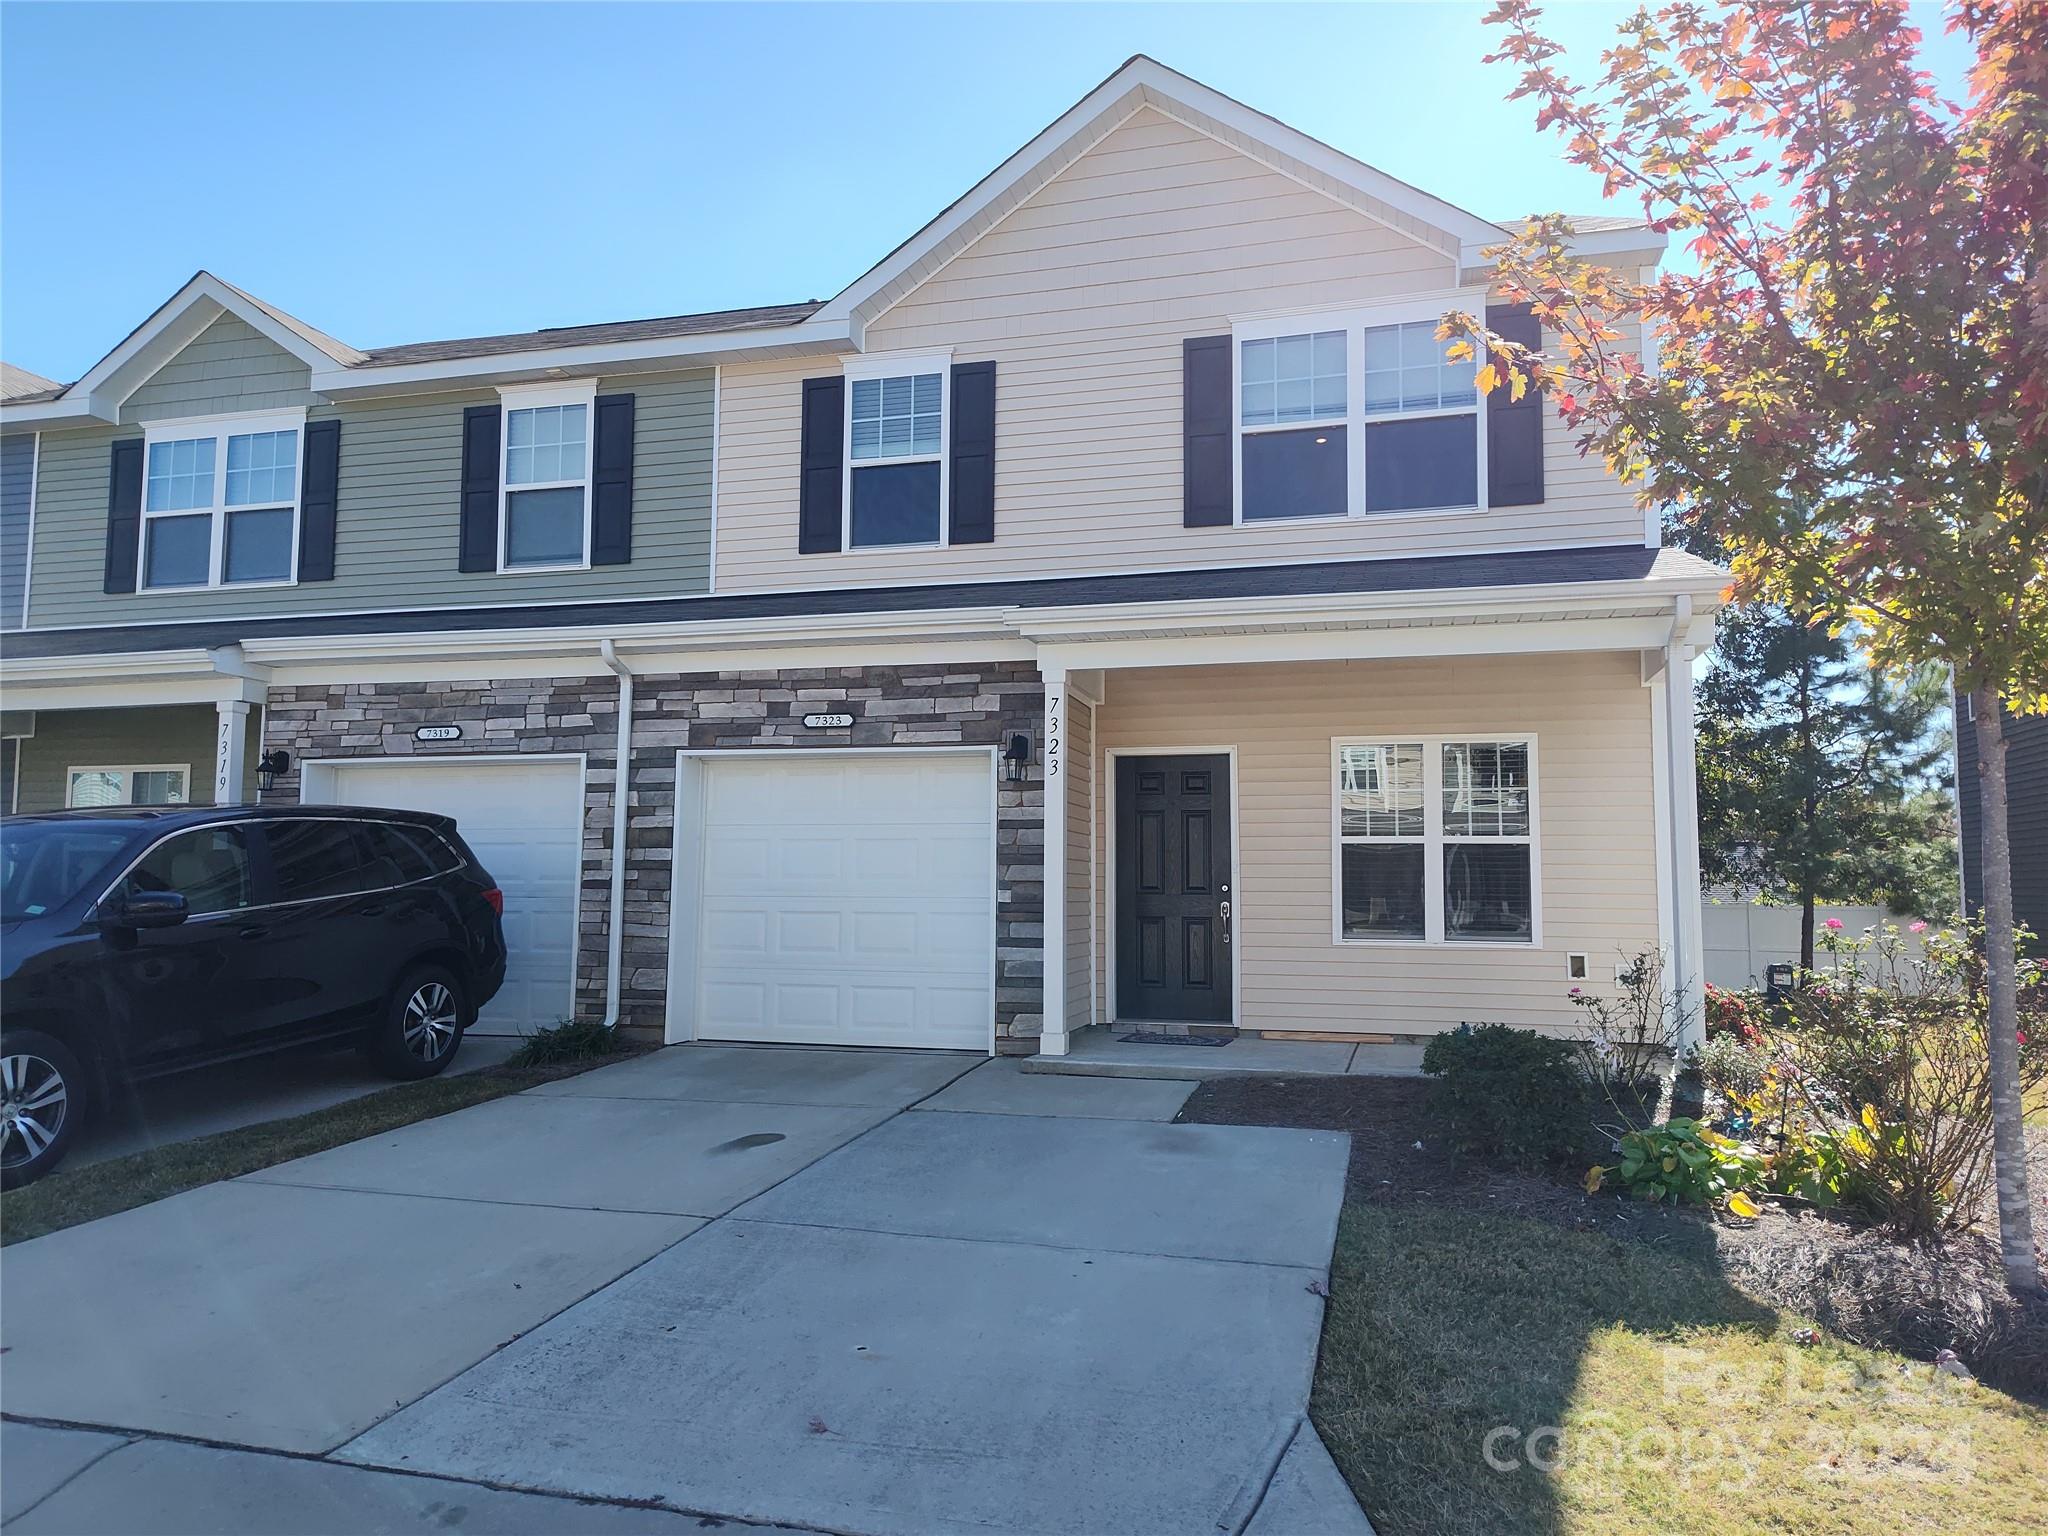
<point x="70" y="1196"/>
<point x="1684" y="1405"/>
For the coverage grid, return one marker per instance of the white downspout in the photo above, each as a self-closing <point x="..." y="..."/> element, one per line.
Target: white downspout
<point x="615" y="927"/>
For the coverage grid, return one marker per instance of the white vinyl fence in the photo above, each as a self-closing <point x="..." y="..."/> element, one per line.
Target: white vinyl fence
<point x="1741" y="938"/>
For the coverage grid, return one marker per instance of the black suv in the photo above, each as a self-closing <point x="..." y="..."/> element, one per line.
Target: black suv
<point x="143" y="941"/>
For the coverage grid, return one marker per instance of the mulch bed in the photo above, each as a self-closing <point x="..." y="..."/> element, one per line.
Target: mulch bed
<point x="1842" y="1273"/>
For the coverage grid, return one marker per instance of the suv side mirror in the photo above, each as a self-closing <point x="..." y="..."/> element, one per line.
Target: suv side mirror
<point x="145" y="909"/>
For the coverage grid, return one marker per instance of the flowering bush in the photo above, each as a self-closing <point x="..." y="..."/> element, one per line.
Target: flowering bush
<point x="1879" y="1092"/>
<point x="1629" y="1039"/>
<point x="1732" y="1011"/>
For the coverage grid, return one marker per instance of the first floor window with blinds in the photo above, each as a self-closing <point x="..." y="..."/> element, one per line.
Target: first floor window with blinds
<point x="1436" y="840"/>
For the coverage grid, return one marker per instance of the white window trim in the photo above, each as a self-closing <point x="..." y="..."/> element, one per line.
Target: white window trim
<point x="128" y="772"/>
<point x="1353" y="323"/>
<point x="220" y="429"/>
<point x="890" y="365"/>
<point x="1433" y="838"/>
<point x="527" y="397"/>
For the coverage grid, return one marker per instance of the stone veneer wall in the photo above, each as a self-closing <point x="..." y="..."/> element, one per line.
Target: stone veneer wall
<point x="974" y="704"/>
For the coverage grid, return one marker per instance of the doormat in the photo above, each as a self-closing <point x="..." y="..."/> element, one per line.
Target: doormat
<point x="1161" y="1037"/>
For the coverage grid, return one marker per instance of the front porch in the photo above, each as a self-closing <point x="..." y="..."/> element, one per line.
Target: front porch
<point x="1101" y="1050"/>
<point x="1333" y="840"/>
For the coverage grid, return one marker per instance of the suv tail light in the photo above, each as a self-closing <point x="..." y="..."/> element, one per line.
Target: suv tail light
<point x="496" y="898"/>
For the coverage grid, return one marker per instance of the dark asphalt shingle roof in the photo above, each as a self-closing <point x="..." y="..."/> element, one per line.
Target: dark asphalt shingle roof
<point x="762" y="317"/>
<point x="1432" y="573"/>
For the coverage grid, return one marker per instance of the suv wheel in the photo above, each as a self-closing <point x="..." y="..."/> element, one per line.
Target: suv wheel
<point x="41" y="1094"/>
<point x="422" y="1023"/>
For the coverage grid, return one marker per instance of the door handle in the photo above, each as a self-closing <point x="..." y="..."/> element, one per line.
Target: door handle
<point x="1223" y="912"/>
<point x="252" y="931"/>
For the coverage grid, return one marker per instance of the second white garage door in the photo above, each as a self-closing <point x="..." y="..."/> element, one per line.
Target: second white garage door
<point x="524" y="821"/>
<point x="840" y="898"/>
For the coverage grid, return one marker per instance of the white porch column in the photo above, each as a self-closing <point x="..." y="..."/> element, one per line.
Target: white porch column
<point x="1053" y="1039"/>
<point x="230" y="751"/>
<point x="1688" y="958"/>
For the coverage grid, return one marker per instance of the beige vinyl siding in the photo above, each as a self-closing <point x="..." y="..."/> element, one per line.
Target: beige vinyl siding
<point x="1079" y="758"/>
<point x="180" y="734"/>
<point x="1082" y="296"/>
<point x="1596" y="832"/>
<point x="398" y="522"/>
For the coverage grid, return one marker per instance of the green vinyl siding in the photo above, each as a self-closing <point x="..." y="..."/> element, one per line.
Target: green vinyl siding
<point x="180" y="734"/>
<point x="398" y="521"/>
<point x="227" y="367"/>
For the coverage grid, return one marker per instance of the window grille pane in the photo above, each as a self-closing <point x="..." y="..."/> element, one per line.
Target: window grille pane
<point x="1380" y="789"/>
<point x="544" y="444"/>
<point x="180" y="475"/>
<point x="1406" y="370"/>
<point x="897" y="418"/>
<point x="262" y="468"/>
<point x="1486" y="789"/>
<point x="1292" y="378"/>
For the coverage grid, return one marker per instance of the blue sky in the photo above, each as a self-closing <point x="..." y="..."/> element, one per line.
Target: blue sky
<point x="406" y="172"/>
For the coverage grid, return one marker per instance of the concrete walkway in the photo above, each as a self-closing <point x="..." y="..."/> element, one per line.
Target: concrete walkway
<point x="1097" y="1051"/>
<point x="1026" y="1304"/>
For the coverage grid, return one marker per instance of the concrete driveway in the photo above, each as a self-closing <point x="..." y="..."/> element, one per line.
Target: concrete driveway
<point x="852" y="1291"/>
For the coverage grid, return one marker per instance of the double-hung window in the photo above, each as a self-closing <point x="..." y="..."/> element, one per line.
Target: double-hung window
<point x="1357" y="414"/>
<point x="220" y="502"/>
<point x="1436" y="840"/>
<point x="896" y="429"/>
<point x="544" y="511"/>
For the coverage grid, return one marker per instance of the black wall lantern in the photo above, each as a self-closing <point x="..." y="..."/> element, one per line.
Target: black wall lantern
<point x="272" y="766"/>
<point x="1016" y="757"/>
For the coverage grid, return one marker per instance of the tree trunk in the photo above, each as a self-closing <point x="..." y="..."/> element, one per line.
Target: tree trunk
<point x="1809" y="809"/>
<point x="1806" y="930"/>
<point x="2008" y="1117"/>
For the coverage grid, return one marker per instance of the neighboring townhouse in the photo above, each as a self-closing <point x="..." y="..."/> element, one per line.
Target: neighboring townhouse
<point x="2026" y="814"/>
<point x="1111" y="607"/>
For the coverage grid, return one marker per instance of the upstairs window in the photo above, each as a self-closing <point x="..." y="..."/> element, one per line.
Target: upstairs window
<point x="895" y="461"/>
<point x="1436" y="841"/>
<point x="1356" y="414"/>
<point x="1292" y="392"/>
<point x="545" y="517"/>
<point x="220" y="503"/>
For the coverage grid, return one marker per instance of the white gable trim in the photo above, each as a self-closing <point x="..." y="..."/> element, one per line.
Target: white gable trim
<point x="177" y="322"/>
<point x="1145" y="82"/>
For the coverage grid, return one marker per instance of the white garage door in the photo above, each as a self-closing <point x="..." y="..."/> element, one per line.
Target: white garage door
<point x="525" y="822"/>
<point x="846" y="899"/>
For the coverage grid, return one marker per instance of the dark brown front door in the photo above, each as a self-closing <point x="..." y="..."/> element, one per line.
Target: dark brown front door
<point x="1173" y="883"/>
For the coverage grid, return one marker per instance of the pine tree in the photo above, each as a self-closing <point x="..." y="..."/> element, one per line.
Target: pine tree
<point x="1821" y="780"/>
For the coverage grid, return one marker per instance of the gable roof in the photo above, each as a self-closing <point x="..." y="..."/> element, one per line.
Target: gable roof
<point x="20" y="384"/>
<point x="1142" y="82"/>
<point x="339" y="370"/>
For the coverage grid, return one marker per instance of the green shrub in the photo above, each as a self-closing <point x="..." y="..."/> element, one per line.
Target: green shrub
<point x="1733" y="1067"/>
<point x="1510" y="1094"/>
<point x="571" y="1040"/>
<point x="1684" y="1163"/>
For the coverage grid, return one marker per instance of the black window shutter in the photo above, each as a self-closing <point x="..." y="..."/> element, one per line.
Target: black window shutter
<point x="821" y="466"/>
<point x="611" y="483"/>
<point x="972" y="512"/>
<point x="319" y="497"/>
<point x="1514" y="428"/>
<point x="124" y="515"/>
<point x="479" y="550"/>
<point x="1206" y="418"/>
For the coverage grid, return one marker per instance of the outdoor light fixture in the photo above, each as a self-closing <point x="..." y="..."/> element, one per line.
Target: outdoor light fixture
<point x="270" y="767"/>
<point x="1016" y="757"/>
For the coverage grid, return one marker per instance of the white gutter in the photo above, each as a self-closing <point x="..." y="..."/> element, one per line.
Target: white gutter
<point x="622" y="773"/>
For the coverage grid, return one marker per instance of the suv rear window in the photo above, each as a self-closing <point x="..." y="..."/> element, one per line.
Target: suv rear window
<point x="397" y="851"/>
<point x="315" y="858"/>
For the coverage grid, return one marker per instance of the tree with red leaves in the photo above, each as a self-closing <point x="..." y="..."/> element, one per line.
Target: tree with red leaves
<point x="1849" y="391"/>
